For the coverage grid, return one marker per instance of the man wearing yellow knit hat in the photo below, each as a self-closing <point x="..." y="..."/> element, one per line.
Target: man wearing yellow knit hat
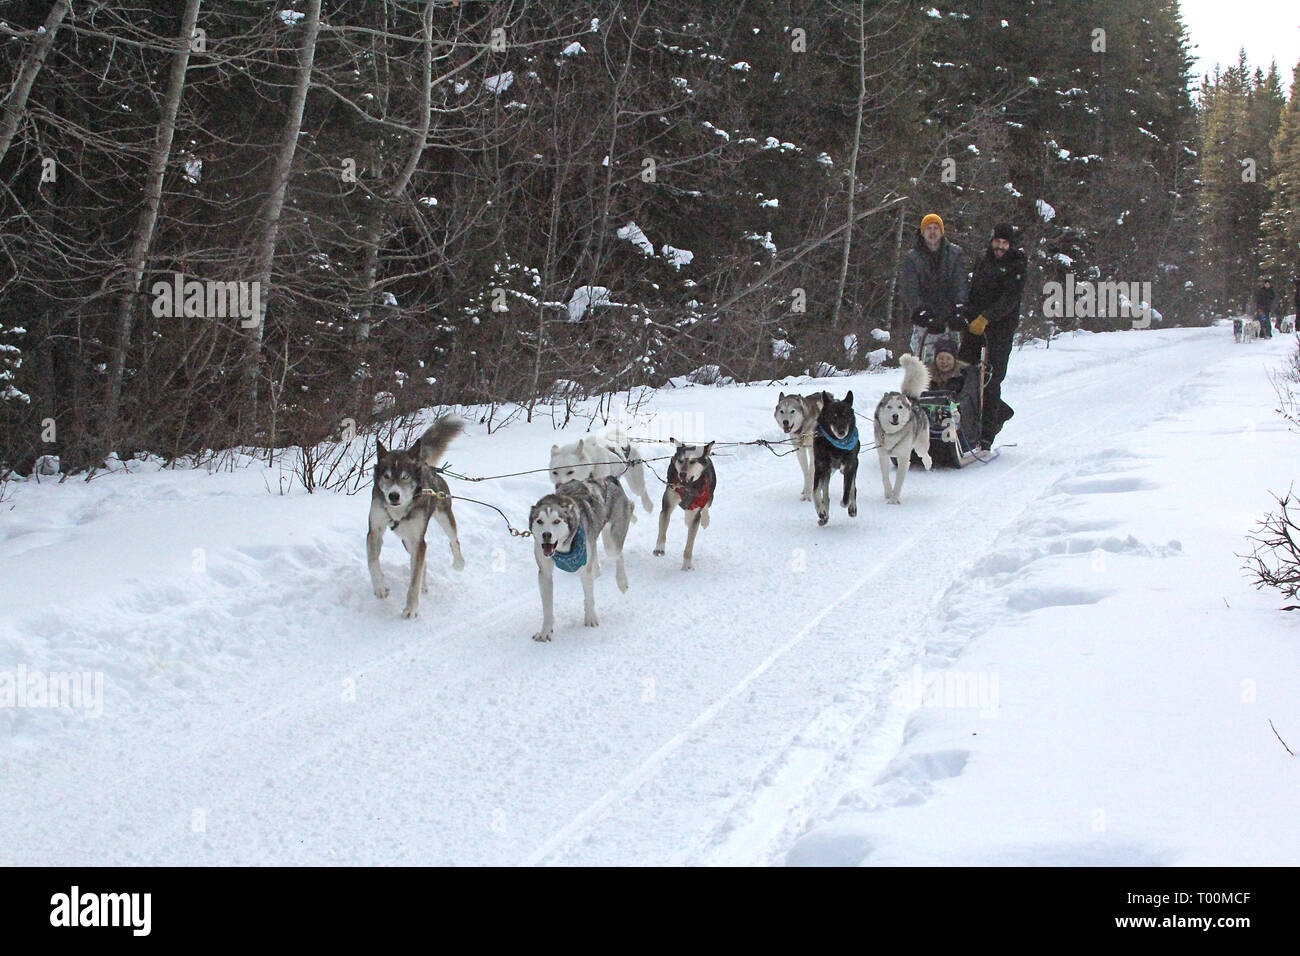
<point x="935" y="286"/>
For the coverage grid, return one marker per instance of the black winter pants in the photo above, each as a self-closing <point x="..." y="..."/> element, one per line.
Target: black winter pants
<point x="997" y="338"/>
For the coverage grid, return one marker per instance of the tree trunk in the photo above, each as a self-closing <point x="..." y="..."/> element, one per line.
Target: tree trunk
<point x="16" y="102"/>
<point x="853" y="165"/>
<point x="270" y="225"/>
<point x="374" y="228"/>
<point x="139" y="253"/>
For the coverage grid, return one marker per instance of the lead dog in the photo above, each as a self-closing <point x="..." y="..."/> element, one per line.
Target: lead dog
<point x="691" y="484"/>
<point x="565" y="526"/>
<point x="797" y="416"/>
<point x="902" y="427"/>
<point x="611" y="455"/>
<point x="835" y="448"/>
<point x="408" y="492"/>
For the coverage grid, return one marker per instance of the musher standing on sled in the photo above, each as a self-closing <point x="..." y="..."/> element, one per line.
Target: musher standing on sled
<point x="1264" y="308"/>
<point x="935" y="285"/>
<point x="995" y="292"/>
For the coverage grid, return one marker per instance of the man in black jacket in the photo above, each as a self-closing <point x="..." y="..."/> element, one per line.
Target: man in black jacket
<point x="935" y="286"/>
<point x="1264" y="306"/>
<point x="995" y="292"/>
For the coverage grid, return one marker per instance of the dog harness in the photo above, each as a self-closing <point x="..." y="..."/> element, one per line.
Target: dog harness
<point x="698" y="500"/>
<point x="575" y="557"/>
<point x="843" y="444"/>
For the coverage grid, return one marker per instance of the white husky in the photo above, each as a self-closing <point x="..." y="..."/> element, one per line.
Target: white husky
<point x="606" y="455"/>
<point x="902" y="426"/>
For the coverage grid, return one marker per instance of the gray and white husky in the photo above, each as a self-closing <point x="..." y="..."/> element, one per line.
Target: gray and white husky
<point x="902" y="427"/>
<point x="408" y="492"/>
<point x="608" y="455"/>
<point x="691" y="483"/>
<point x="565" y="526"/>
<point x="797" y="416"/>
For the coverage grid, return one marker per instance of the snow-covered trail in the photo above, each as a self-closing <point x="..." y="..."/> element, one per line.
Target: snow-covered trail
<point x="265" y="708"/>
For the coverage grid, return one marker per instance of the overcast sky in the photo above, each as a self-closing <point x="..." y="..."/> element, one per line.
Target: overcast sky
<point x="1268" y="29"/>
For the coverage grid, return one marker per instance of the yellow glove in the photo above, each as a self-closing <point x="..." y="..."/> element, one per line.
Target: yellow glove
<point x="978" y="325"/>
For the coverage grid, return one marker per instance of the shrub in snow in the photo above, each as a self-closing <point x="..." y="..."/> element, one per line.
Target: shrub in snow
<point x="1275" y="560"/>
<point x="782" y="349"/>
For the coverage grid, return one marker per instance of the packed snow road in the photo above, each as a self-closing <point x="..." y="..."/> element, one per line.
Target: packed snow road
<point x="261" y="706"/>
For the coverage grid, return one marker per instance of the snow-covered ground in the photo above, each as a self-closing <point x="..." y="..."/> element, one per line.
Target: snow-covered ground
<point x="1054" y="658"/>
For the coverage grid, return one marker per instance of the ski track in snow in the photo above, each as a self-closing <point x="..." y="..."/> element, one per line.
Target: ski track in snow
<point x="713" y="716"/>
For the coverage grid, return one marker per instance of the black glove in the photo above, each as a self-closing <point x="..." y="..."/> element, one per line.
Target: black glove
<point x="921" y="317"/>
<point x="935" y="325"/>
<point x="958" y="321"/>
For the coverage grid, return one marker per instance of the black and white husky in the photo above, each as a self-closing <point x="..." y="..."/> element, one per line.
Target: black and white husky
<point x="408" y="492"/>
<point x="691" y="484"/>
<point x="797" y="416"/>
<point x="902" y="427"/>
<point x="565" y="526"/>
<point x="608" y="455"/>
<point x="835" y="448"/>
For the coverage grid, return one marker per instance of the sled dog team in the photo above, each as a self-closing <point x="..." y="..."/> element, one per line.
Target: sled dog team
<point x="589" y="505"/>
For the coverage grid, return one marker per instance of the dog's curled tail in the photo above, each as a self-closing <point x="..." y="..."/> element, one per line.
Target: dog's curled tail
<point x="434" y="442"/>
<point x="916" y="377"/>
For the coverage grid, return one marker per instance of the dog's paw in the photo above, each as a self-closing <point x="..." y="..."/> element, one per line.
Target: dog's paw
<point x="659" y="552"/>
<point x="458" y="563"/>
<point x="381" y="591"/>
<point x="424" y="587"/>
<point x="804" y="496"/>
<point x="589" y="619"/>
<point x="893" y="500"/>
<point x="687" y="565"/>
<point x="853" y="510"/>
<point x="542" y="636"/>
<point x="410" y="611"/>
<point x="822" y="519"/>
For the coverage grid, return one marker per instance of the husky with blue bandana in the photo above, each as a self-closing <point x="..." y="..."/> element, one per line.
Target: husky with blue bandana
<point x="835" y="448"/>
<point x="902" y="426"/>
<point x="565" y="526"/>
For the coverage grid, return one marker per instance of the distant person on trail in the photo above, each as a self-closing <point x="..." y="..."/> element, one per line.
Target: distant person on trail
<point x="935" y="285"/>
<point x="1263" y="306"/>
<point x="995" y="291"/>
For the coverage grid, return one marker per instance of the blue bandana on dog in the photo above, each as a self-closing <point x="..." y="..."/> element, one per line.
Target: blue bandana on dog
<point x="575" y="557"/>
<point x="844" y="444"/>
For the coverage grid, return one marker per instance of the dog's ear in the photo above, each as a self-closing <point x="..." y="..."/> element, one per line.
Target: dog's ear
<point x="379" y="446"/>
<point x="848" y="399"/>
<point x="707" y="449"/>
<point x="554" y="449"/>
<point x="826" y="399"/>
<point x="674" y="441"/>
<point x="781" y="397"/>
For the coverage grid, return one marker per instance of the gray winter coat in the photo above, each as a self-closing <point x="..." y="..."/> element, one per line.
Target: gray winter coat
<point x="935" y="287"/>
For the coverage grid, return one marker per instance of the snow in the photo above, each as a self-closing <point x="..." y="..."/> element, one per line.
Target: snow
<point x="1010" y="187"/>
<point x="1045" y="210"/>
<point x="290" y="17"/>
<point x="633" y="234"/>
<point x="499" y="83"/>
<point x="677" y="257"/>
<point x="573" y="49"/>
<point x="1086" y="678"/>
<point x="585" y="297"/>
<point x="880" y="335"/>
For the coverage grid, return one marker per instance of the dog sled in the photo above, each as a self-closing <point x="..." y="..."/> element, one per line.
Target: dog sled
<point x="949" y="446"/>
